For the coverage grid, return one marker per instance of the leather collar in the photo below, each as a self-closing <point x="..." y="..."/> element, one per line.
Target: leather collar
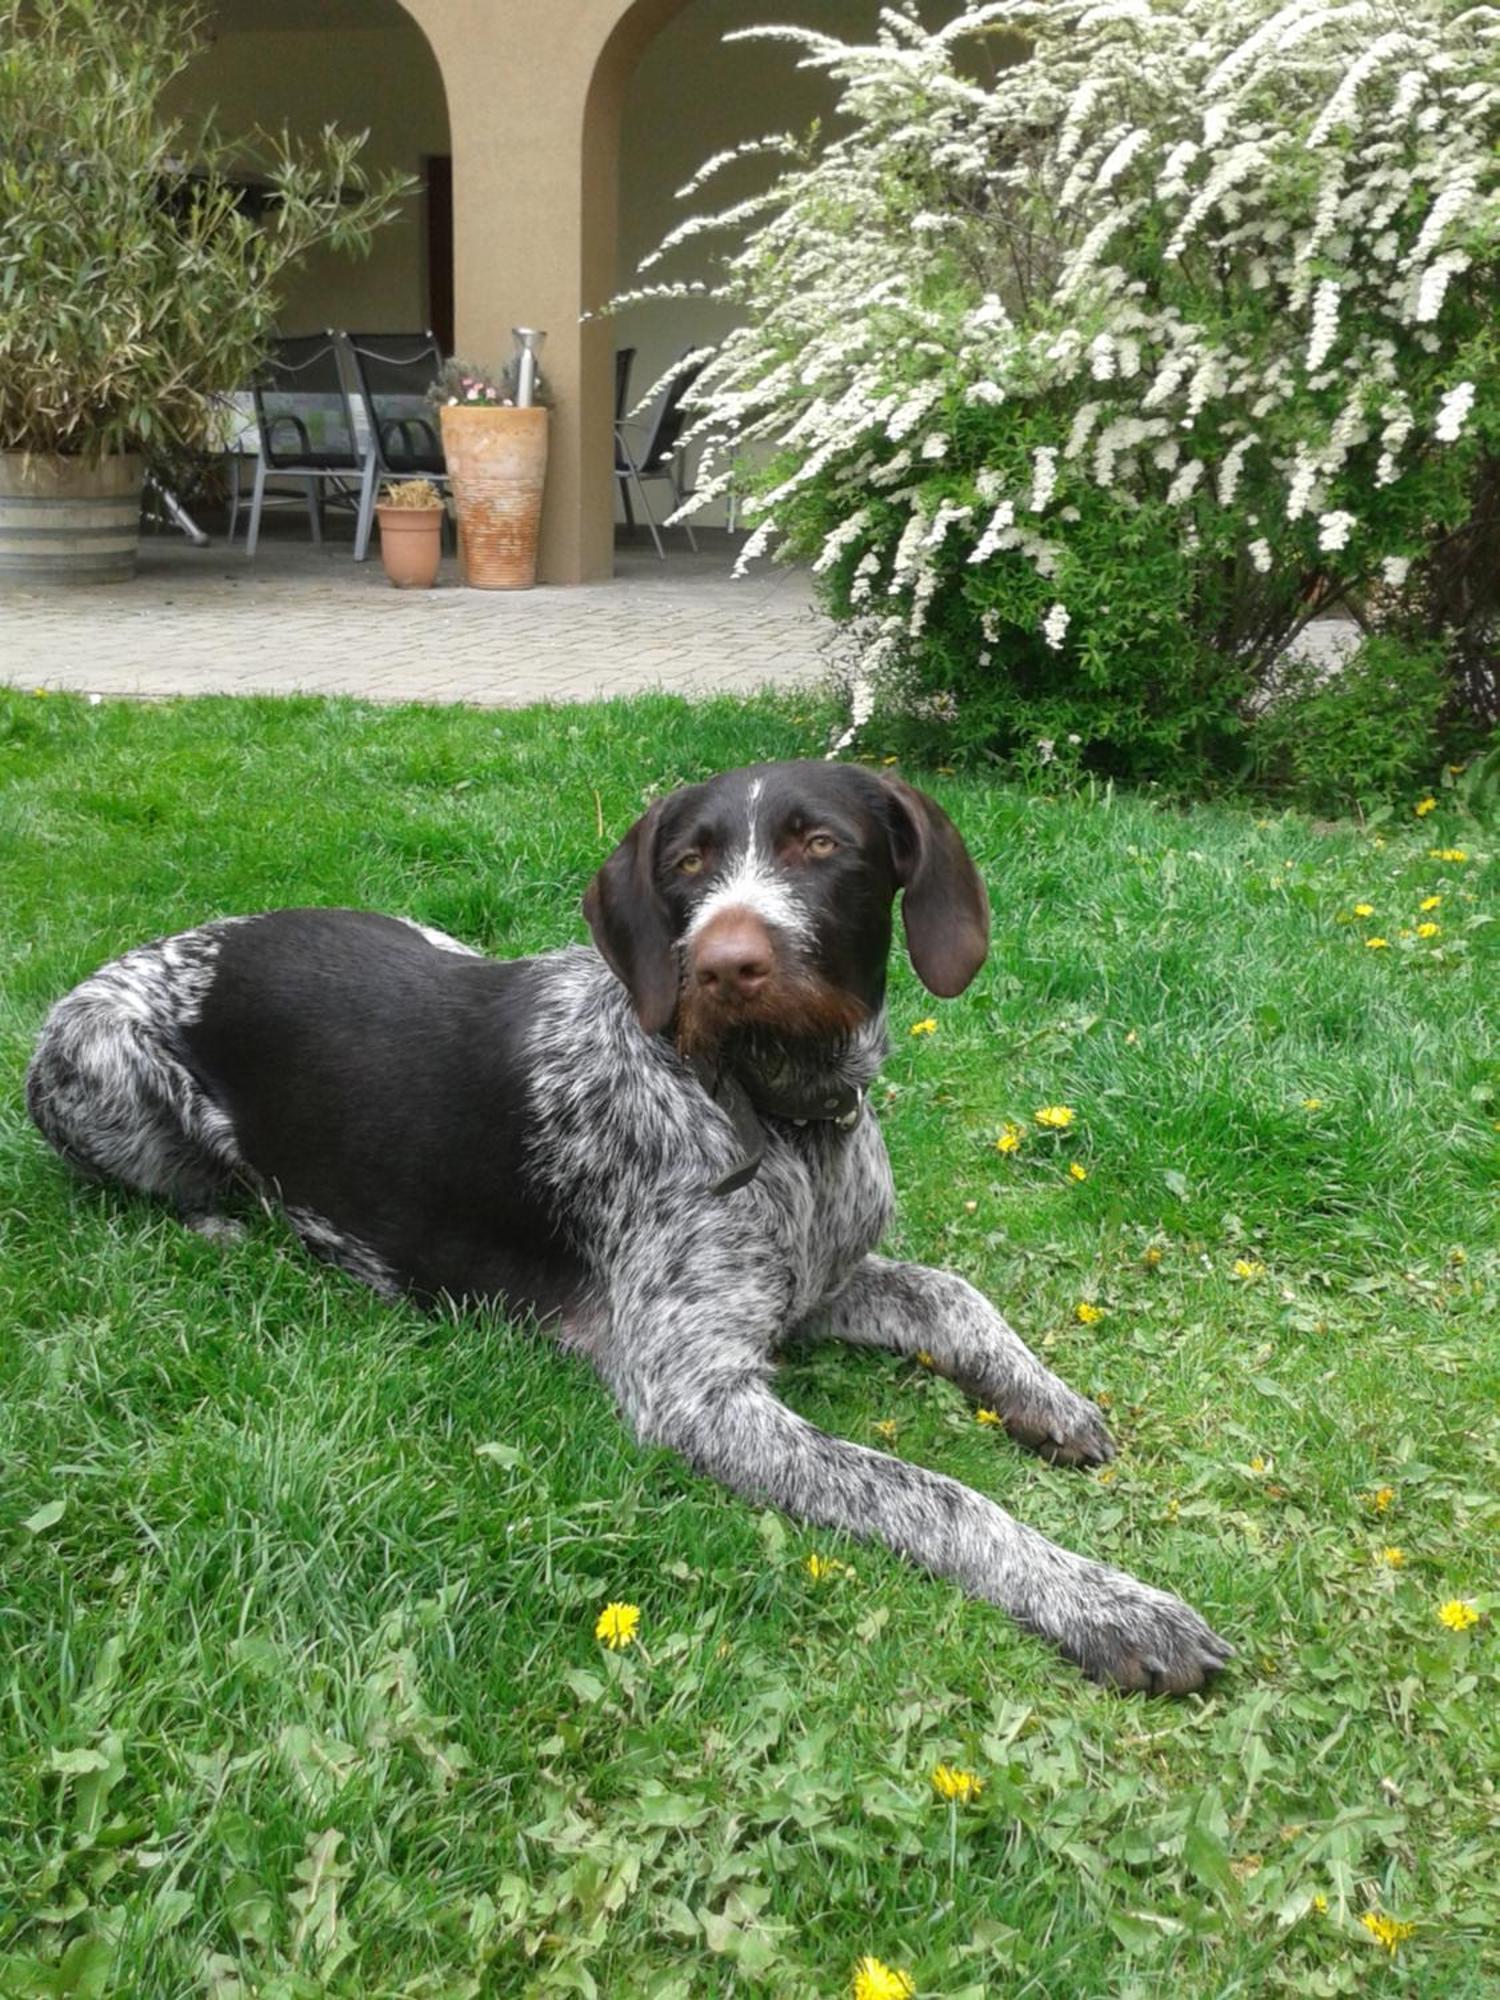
<point x="745" y="1105"/>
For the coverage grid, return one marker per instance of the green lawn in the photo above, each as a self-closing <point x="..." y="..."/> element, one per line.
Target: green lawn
<point x="299" y="1689"/>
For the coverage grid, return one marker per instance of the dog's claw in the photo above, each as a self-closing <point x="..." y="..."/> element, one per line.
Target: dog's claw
<point x="1074" y="1436"/>
<point x="1148" y="1642"/>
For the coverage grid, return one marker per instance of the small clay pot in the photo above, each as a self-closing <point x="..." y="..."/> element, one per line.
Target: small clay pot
<point x="411" y="545"/>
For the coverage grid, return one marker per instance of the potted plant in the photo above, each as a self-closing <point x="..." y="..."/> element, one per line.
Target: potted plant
<point x="497" y="460"/>
<point x="140" y="267"/>
<point x="410" y="513"/>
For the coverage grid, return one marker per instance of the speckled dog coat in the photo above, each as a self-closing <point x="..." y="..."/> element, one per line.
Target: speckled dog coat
<point x="661" y="1146"/>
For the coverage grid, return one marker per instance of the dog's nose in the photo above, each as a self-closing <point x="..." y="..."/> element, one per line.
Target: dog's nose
<point x="732" y="957"/>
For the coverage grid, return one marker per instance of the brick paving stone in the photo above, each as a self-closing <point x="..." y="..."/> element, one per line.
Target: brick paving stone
<point x="300" y="619"/>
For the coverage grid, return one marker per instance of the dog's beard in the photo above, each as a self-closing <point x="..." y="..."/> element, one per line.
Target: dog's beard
<point x="796" y="1025"/>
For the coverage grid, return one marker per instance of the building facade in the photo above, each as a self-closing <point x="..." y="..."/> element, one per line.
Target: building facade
<point x="549" y="137"/>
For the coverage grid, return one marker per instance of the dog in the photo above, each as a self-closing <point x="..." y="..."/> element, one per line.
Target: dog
<point x="662" y="1147"/>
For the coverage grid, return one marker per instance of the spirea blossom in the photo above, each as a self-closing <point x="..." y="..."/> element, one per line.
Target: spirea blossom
<point x="1043" y="478"/>
<point x="1325" y="323"/>
<point x="1055" y="626"/>
<point x="1452" y="412"/>
<point x="1333" y="530"/>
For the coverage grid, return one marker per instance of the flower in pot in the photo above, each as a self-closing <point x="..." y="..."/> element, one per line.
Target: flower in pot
<point x="496" y="455"/>
<point x="410" y="513"/>
<point x="141" y="277"/>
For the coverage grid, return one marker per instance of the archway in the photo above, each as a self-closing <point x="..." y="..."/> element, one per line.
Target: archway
<point x="364" y="65"/>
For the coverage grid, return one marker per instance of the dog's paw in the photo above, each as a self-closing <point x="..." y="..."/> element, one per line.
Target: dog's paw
<point x="1068" y="1430"/>
<point x="1145" y="1641"/>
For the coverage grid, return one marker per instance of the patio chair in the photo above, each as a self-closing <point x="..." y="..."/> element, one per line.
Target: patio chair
<point x="307" y="431"/>
<point x="661" y="455"/>
<point x="392" y="373"/>
<point x="624" y="362"/>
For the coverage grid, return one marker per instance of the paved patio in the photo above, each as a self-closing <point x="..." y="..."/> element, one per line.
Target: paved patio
<point x="303" y="620"/>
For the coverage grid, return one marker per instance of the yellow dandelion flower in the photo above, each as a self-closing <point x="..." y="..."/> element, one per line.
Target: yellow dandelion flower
<point x="987" y="1416"/>
<point x="1430" y="902"/>
<point x="886" y="1429"/>
<point x="927" y="1027"/>
<point x="1312" y="1104"/>
<point x="1393" y="1558"/>
<point x="1246" y="1270"/>
<point x="1077" y="1173"/>
<point x="1385" y="1930"/>
<point x="924" y="1359"/>
<point x="951" y="1783"/>
<point x="1320" y="1904"/>
<point x="875" y="1981"/>
<point x="1056" y="1117"/>
<point x="1257" y="1464"/>
<point x="1425" y="806"/>
<point x="1427" y="930"/>
<point x="1151" y="1256"/>
<point x="1457" y="1615"/>
<point x="1377" y="944"/>
<point x="1009" y="1140"/>
<point x="821" y="1568"/>
<point x="1382" y="1497"/>
<point x="1364" y="909"/>
<point x="1089" y="1315"/>
<point x="617" y="1625"/>
<point x="1459" y="854"/>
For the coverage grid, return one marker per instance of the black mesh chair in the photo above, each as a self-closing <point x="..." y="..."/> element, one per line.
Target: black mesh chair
<point x="307" y="431"/>
<point x="660" y="457"/>
<point x="624" y="362"/>
<point x="391" y="374"/>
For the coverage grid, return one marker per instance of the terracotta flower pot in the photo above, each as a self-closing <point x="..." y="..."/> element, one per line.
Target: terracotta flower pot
<point x="411" y="545"/>
<point x="497" y="461"/>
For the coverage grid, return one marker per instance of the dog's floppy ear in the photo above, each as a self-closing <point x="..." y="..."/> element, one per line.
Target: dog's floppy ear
<point x="944" y="905"/>
<point x="630" y="924"/>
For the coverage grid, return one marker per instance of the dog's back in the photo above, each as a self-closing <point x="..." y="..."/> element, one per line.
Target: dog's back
<point x="372" y="1075"/>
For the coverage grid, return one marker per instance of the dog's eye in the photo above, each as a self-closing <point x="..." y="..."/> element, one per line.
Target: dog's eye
<point x="821" y="845"/>
<point x="690" y="864"/>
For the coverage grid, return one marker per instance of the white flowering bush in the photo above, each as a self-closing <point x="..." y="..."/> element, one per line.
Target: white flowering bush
<point x="1109" y="344"/>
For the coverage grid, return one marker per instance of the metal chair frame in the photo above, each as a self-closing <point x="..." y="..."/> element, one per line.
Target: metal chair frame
<point x="661" y="456"/>
<point x="341" y="476"/>
<point x="360" y="348"/>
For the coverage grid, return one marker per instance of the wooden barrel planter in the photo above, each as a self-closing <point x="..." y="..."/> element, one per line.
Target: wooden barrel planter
<point x="497" y="461"/>
<point x="69" y="520"/>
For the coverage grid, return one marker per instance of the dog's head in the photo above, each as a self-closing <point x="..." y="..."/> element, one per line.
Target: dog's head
<point x="762" y="900"/>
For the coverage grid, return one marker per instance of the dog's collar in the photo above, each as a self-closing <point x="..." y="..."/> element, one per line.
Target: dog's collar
<point x="831" y="1104"/>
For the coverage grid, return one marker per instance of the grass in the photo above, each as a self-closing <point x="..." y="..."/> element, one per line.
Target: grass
<point x="299" y="1692"/>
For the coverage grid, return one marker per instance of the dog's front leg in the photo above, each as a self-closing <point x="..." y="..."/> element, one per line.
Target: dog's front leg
<point x="691" y="1368"/>
<point x="910" y="1309"/>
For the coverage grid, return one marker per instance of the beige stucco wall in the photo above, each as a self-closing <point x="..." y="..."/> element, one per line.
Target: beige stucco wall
<point x="381" y="78"/>
<point x="690" y="97"/>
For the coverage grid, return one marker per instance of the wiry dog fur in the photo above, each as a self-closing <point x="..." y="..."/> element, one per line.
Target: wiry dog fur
<point x="551" y="1133"/>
